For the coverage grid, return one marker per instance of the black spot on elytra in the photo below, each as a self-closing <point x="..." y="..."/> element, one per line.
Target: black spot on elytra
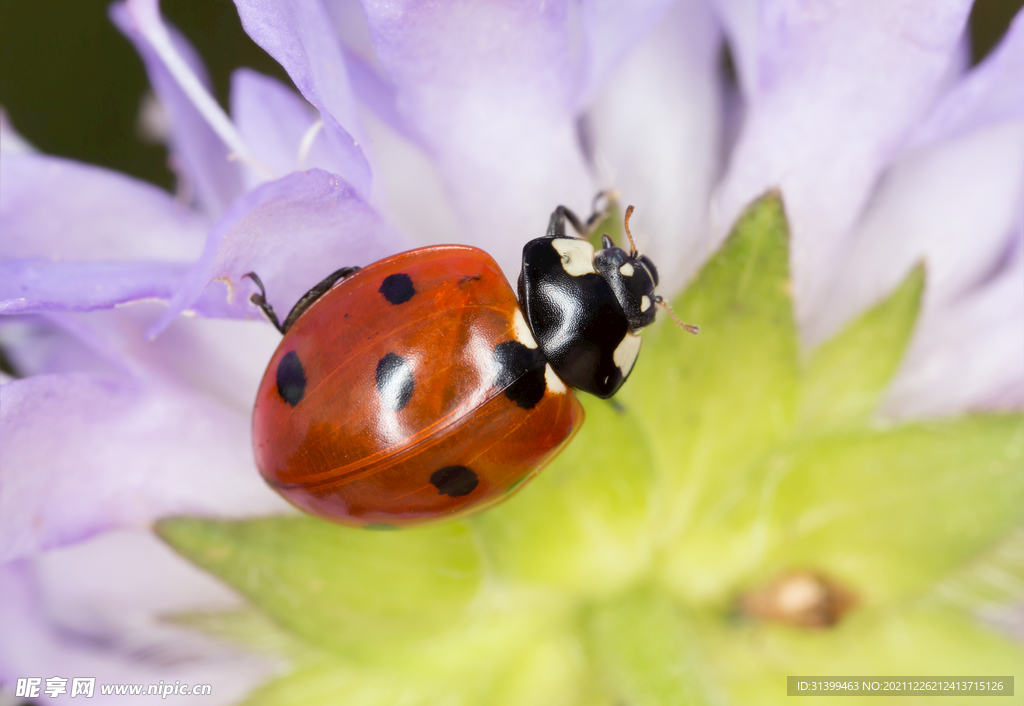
<point x="398" y="288"/>
<point x="454" y="480"/>
<point x="520" y="373"/>
<point x="291" y="378"/>
<point x="379" y="526"/>
<point x="394" y="381"/>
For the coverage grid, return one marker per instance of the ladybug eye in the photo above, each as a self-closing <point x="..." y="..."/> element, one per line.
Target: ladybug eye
<point x="646" y="261"/>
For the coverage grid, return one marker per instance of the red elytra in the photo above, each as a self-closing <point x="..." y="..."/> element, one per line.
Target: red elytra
<point x="408" y="393"/>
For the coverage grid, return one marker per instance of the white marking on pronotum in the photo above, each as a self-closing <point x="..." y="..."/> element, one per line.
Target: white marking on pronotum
<point x="522" y="330"/>
<point x="552" y="380"/>
<point x="645" y="303"/>
<point x="577" y="255"/>
<point x="626" y="352"/>
<point x="626" y="270"/>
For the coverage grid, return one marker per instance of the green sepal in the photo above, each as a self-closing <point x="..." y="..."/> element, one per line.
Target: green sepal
<point x="512" y="649"/>
<point x="583" y="524"/>
<point x="919" y="640"/>
<point x="845" y="377"/>
<point x="713" y="403"/>
<point x="349" y="590"/>
<point x="887" y="513"/>
<point x="645" y="651"/>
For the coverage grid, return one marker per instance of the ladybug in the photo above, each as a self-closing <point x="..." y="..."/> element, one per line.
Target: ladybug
<point x="418" y="388"/>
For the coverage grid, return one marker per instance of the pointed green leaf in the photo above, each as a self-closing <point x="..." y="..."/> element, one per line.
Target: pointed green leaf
<point x="511" y="651"/>
<point x="754" y="660"/>
<point x="994" y="582"/>
<point x="583" y="524"/>
<point x="248" y="628"/>
<point x="343" y="589"/>
<point x="846" y="376"/>
<point x="646" y="652"/>
<point x="327" y="682"/>
<point x="713" y="403"/>
<point x="889" y="513"/>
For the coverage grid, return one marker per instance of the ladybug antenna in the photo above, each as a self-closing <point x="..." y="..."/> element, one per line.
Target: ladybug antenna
<point x="632" y="245"/>
<point x="686" y="327"/>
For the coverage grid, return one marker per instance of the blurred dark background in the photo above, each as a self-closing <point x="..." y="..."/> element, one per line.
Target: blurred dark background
<point x="72" y="85"/>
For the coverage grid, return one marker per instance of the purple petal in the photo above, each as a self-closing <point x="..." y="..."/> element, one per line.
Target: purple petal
<point x="112" y="342"/>
<point x="368" y="85"/>
<point x="950" y="204"/>
<point x="136" y="649"/>
<point x="374" y="91"/>
<point x="741" y="21"/>
<point x="11" y="141"/>
<point x="292" y="232"/>
<point x="56" y="208"/>
<point x="658" y="124"/>
<point x="35" y="285"/>
<point x="129" y="452"/>
<point x="203" y="156"/>
<point x="968" y="356"/>
<point x="133" y="576"/>
<point x="300" y="37"/>
<point x="275" y="121"/>
<point x="35" y="345"/>
<point x="491" y="91"/>
<point x="837" y="89"/>
<point x="992" y="93"/>
<point x="611" y="29"/>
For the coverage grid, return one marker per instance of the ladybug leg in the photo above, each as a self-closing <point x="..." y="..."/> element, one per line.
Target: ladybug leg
<point x="304" y="303"/>
<point x="312" y="295"/>
<point x="556" y="226"/>
<point x="260" y="300"/>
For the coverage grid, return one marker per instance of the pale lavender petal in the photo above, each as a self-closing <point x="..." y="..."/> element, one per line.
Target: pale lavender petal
<point x="292" y="232"/>
<point x="112" y="342"/>
<point x="993" y="92"/>
<point x="57" y="208"/>
<point x="610" y="30"/>
<point x="969" y="356"/>
<point x="137" y="649"/>
<point x="203" y="156"/>
<point x="951" y="204"/>
<point x="11" y="141"/>
<point x="123" y="581"/>
<point x="281" y="127"/>
<point x="657" y="124"/>
<point x="368" y="85"/>
<point x="35" y="345"/>
<point x="374" y="91"/>
<point x="838" y="88"/>
<point x="234" y="353"/>
<point x="34" y="285"/>
<point x="409" y="191"/>
<point x="741" y="21"/>
<point x="490" y="89"/>
<point x="300" y="37"/>
<point x="130" y="452"/>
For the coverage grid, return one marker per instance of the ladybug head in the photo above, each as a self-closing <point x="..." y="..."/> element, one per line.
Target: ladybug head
<point x="632" y="277"/>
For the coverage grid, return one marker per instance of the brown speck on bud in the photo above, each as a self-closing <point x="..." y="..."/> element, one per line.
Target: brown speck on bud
<point x="802" y="599"/>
